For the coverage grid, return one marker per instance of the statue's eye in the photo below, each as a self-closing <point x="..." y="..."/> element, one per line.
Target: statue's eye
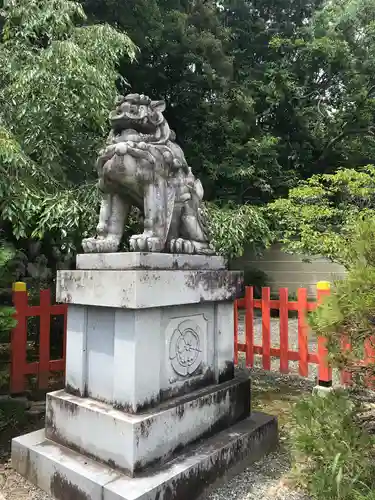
<point x="133" y="108"/>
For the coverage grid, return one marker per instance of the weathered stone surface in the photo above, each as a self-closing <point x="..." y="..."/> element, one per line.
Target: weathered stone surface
<point x="137" y="353"/>
<point x="141" y="289"/>
<point x="67" y="474"/>
<point x="153" y="261"/>
<point x="58" y="471"/>
<point x="132" y="442"/>
<point x="142" y="166"/>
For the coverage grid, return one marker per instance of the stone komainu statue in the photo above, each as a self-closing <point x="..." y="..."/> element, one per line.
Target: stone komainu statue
<point x="142" y="166"/>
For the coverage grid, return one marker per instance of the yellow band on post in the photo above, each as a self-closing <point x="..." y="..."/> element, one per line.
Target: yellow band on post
<point x="323" y="285"/>
<point x="19" y="286"/>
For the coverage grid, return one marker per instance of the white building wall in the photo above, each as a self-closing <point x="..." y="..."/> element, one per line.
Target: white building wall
<point x="286" y="270"/>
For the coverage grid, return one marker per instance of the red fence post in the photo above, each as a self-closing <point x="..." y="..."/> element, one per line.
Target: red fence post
<point x="303" y="332"/>
<point x="369" y="360"/>
<point x="44" y="339"/>
<point x="249" y="325"/>
<point x="345" y="376"/>
<point x="284" y="330"/>
<point x="324" y="370"/>
<point x="266" y="328"/>
<point x="235" y="314"/>
<point x="19" y="339"/>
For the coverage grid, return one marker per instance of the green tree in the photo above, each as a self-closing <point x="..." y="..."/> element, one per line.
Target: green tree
<point x="324" y="74"/>
<point x="233" y="227"/>
<point x="321" y="215"/>
<point x="7" y="322"/>
<point x="58" y="81"/>
<point x="261" y="94"/>
<point x="334" y="457"/>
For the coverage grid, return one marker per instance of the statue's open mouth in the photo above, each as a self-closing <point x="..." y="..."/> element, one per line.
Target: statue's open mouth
<point x="123" y="121"/>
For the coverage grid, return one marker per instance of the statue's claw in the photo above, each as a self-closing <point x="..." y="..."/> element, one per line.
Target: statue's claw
<point x="188" y="247"/>
<point x="89" y="245"/>
<point x="179" y="245"/>
<point x="109" y="244"/>
<point x="145" y="243"/>
<point x="203" y="248"/>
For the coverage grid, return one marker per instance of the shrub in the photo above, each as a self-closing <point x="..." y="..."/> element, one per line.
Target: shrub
<point x="350" y="309"/>
<point x="320" y="215"/>
<point x="234" y="227"/>
<point x="334" y="457"/>
<point x="7" y="321"/>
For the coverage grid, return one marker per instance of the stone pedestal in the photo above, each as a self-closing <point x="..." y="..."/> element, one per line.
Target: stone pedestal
<point x="149" y="378"/>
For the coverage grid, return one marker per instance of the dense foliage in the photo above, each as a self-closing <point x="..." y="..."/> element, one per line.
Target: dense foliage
<point x="261" y="94"/>
<point x="321" y="215"/>
<point x="58" y="79"/>
<point x="7" y="321"/>
<point x="232" y="227"/>
<point x="350" y="309"/>
<point x="334" y="457"/>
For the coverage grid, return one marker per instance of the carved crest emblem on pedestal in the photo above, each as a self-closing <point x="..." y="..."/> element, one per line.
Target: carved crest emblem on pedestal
<point x="185" y="351"/>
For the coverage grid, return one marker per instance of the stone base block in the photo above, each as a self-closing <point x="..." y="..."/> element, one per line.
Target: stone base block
<point x="65" y="474"/>
<point x="139" y="260"/>
<point x="131" y="442"/>
<point x="143" y="289"/>
<point x="135" y="359"/>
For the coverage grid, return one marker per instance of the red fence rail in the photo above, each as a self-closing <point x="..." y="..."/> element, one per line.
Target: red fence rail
<point x="302" y="355"/>
<point x="283" y="353"/>
<point x="20" y="367"/>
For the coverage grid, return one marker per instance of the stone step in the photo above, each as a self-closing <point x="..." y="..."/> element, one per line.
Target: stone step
<point x="131" y="442"/>
<point x="63" y="473"/>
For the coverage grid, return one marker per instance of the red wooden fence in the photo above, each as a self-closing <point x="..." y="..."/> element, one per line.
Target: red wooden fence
<point x="20" y="367"/>
<point x="284" y="353"/>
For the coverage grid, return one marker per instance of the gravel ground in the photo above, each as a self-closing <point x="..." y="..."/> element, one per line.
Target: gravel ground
<point x="15" y="487"/>
<point x="261" y="481"/>
<point x="264" y="480"/>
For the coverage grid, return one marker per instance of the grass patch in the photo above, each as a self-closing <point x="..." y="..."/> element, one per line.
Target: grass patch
<point x="278" y="399"/>
<point x="334" y="457"/>
<point x="331" y="457"/>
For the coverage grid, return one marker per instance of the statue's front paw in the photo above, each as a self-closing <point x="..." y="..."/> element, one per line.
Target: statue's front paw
<point x="110" y="244"/>
<point x="145" y="243"/>
<point x="101" y="245"/>
<point x="180" y="245"/>
<point x="90" y="245"/>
